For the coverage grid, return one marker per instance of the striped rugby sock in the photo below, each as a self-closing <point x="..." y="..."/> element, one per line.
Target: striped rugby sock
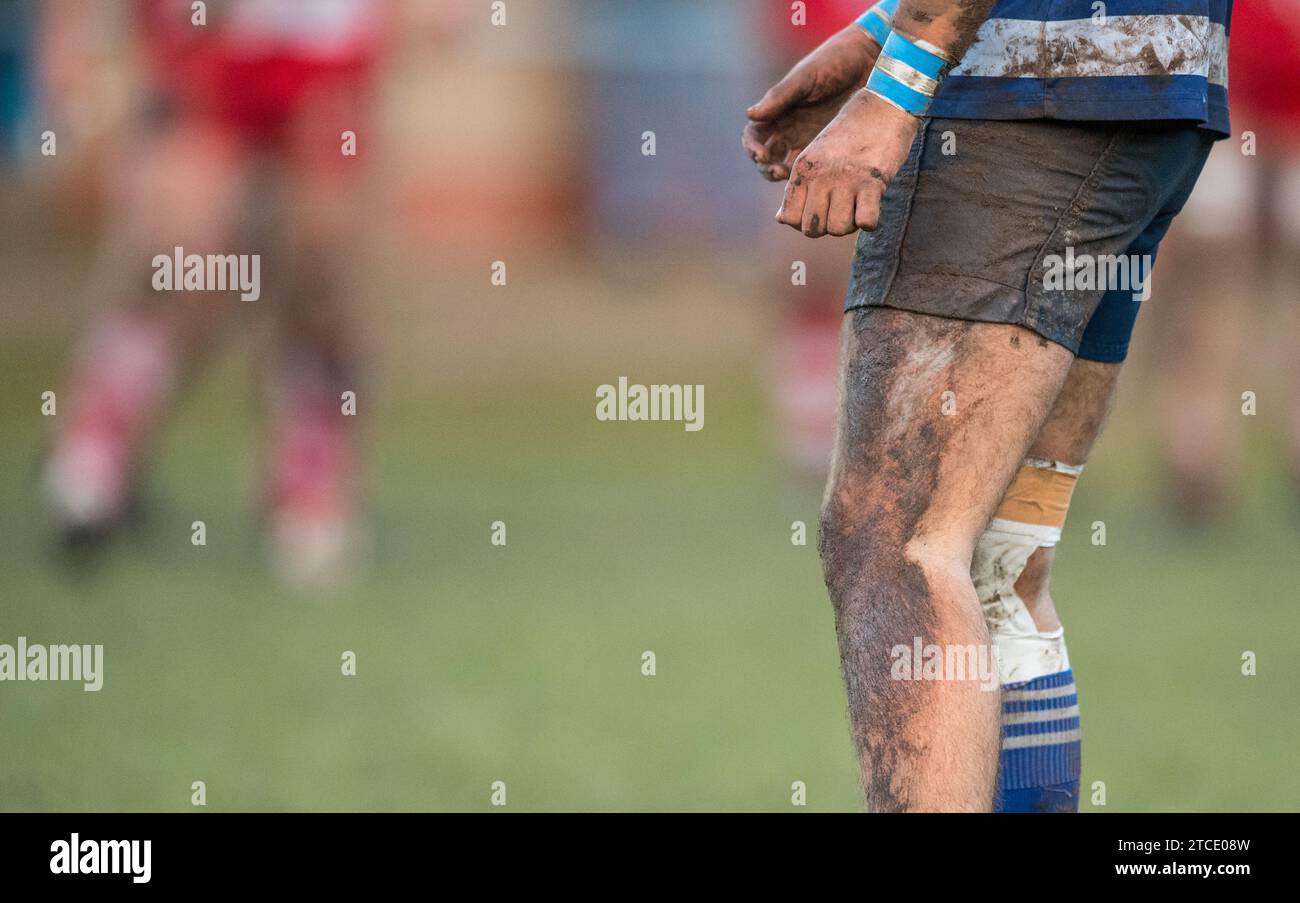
<point x="1039" y="770"/>
<point x="1040" y="762"/>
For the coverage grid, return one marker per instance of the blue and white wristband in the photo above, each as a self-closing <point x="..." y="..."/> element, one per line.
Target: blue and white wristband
<point x="907" y="73"/>
<point x="876" y="21"/>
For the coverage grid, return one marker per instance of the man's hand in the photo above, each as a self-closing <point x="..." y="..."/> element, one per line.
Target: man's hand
<point x="838" y="181"/>
<point x="798" y="107"/>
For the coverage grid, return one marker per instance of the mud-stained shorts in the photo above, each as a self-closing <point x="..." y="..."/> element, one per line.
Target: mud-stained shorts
<point x="1027" y="221"/>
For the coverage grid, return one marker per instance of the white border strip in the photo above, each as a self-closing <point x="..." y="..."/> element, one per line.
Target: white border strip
<point x="1123" y="45"/>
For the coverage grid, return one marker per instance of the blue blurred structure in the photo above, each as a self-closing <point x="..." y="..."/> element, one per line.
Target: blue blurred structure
<point x="17" y="33"/>
<point x="686" y="71"/>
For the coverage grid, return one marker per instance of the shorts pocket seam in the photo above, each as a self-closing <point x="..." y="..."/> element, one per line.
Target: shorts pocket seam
<point x="1074" y="211"/>
<point x="906" y="224"/>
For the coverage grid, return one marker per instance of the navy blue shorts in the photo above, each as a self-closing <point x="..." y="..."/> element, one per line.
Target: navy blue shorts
<point x="1047" y="224"/>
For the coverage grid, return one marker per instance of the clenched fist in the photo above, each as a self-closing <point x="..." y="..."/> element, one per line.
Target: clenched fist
<point x="837" y="182"/>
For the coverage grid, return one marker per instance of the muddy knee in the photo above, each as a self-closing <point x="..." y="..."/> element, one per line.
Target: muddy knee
<point x="879" y="575"/>
<point x="855" y="544"/>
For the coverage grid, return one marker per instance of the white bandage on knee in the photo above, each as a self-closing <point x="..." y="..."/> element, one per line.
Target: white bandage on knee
<point x="1030" y="517"/>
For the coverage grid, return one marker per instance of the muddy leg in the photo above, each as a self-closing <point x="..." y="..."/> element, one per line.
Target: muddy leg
<point x="917" y="474"/>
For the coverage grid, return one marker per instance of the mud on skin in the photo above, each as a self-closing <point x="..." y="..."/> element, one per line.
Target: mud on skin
<point x="955" y="22"/>
<point x="886" y="468"/>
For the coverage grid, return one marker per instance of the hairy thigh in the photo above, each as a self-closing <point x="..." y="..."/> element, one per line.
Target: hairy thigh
<point x="935" y="415"/>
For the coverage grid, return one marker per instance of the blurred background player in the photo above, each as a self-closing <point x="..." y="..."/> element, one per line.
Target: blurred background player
<point x="1239" y="247"/>
<point x="670" y="66"/>
<point x="804" y="372"/>
<point x="239" y="151"/>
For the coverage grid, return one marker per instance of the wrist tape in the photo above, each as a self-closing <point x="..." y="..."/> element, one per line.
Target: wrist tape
<point x="876" y="21"/>
<point x="908" y="73"/>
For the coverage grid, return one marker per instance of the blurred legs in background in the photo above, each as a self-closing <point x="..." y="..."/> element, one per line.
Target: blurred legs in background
<point x="805" y="365"/>
<point x="1223" y="287"/>
<point x="311" y="468"/>
<point x="1226" y="284"/>
<point x="246" y="156"/>
<point x="185" y="187"/>
<point x="804" y="362"/>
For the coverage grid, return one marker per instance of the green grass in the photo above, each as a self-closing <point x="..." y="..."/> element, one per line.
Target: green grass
<point x="522" y="664"/>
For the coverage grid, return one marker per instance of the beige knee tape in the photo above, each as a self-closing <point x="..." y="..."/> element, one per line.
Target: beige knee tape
<point x="1030" y="517"/>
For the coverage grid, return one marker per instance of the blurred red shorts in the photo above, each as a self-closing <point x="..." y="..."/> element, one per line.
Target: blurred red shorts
<point x="1262" y="62"/>
<point x="257" y="86"/>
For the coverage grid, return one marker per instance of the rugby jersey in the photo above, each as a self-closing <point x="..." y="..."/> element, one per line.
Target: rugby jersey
<point x="1125" y="60"/>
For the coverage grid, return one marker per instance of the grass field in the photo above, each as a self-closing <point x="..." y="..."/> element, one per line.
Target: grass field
<point x="522" y="663"/>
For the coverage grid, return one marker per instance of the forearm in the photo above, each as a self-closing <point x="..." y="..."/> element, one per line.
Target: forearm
<point x="926" y="41"/>
<point x="950" y="25"/>
<point x="875" y="22"/>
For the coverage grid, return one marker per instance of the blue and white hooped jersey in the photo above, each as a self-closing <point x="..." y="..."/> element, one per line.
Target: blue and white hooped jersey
<point x="1095" y="60"/>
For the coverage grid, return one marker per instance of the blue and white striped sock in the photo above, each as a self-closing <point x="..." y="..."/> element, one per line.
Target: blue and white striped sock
<point x="1040" y="762"/>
